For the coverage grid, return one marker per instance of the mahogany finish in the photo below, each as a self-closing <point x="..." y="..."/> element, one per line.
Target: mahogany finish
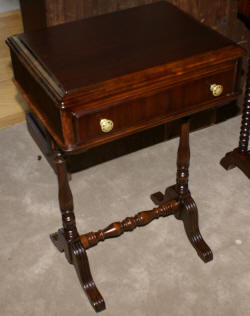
<point x="67" y="239"/>
<point x="219" y="15"/>
<point x="143" y="40"/>
<point x="156" y="68"/>
<point x="136" y="69"/>
<point x="187" y="211"/>
<point x="128" y="224"/>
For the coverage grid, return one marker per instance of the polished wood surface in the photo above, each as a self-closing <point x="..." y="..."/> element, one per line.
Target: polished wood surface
<point x="135" y="76"/>
<point x="219" y="15"/>
<point x="128" y="224"/>
<point x="128" y="114"/>
<point x="125" y="66"/>
<point x="187" y="210"/>
<point x="118" y="48"/>
<point x="67" y="239"/>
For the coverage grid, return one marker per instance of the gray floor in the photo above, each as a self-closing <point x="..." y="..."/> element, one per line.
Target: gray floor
<point x="152" y="271"/>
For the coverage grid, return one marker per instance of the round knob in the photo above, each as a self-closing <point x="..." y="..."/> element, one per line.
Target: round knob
<point x="216" y="89"/>
<point x="106" y="125"/>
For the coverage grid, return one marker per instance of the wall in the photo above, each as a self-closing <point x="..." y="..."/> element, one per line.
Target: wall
<point x="7" y="5"/>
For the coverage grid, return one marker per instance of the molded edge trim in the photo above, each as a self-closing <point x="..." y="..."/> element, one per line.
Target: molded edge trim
<point x="39" y="72"/>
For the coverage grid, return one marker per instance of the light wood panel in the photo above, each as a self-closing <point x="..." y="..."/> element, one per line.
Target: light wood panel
<point x="12" y="104"/>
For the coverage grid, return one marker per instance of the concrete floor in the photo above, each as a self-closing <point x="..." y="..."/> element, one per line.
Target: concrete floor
<point x="151" y="271"/>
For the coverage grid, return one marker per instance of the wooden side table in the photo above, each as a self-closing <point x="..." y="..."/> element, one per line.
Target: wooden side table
<point x="94" y="81"/>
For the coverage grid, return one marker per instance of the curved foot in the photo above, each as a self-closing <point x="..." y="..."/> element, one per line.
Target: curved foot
<point x="81" y="263"/>
<point x="77" y="256"/>
<point x="228" y="161"/>
<point x="189" y="217"/>
<point x="157" y="198"/>
<point x="237" y="159"/>
<point x="188" y="213"/>
<point x="59" y="241"/>
<point x="170" y="194"/>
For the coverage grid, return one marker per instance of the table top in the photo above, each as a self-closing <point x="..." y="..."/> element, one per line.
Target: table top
<point x="86" y="52"/>
<point x="97" y="80"/>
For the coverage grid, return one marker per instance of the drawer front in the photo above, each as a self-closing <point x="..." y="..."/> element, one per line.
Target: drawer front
<point x="149" y="111"/>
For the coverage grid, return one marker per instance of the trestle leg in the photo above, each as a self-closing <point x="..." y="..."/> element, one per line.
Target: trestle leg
<point x="187" y="212"/>
<point x="67" y="239"/>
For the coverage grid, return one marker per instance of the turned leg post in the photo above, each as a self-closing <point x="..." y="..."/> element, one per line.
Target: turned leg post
<point x="245" y="124"/>
<point x="64" y="236"/>
<point x="67" y="239"/>
<point x="187" y="211"/>
<point x="240" y="157"/>
<point x="183" y="160"/>
<point x="65" y="199"/>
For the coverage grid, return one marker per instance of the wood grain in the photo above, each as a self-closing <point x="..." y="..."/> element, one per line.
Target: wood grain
<point x="116" y="69"/>
<point x="220" y="14"/>
<point x="129" y="223"/>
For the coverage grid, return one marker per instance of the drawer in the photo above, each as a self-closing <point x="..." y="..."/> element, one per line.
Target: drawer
<point x="145" y="112"/>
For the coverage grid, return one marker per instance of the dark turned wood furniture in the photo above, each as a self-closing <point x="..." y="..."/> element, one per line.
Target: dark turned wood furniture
<point x="94" y="81"/>
<point x="219" y="15"/>
<point x="240" y="156"/>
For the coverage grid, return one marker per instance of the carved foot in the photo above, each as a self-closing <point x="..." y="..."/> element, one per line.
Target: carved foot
<point x="237" y="159"/>
<point x="228" y="161"/>
<point x="189" y="216"/>
<point x="159" y="198"/>
<point x="57" y="242"/>
<point x="188" y="213"/>
<point x="77" y="256"/>
<point x="81" y="263"/>
<point x="60" y="242"/>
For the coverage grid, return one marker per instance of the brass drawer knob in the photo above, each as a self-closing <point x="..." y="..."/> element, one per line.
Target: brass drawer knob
<point x="216" y="89"/>
<point x="106" y="125"/>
